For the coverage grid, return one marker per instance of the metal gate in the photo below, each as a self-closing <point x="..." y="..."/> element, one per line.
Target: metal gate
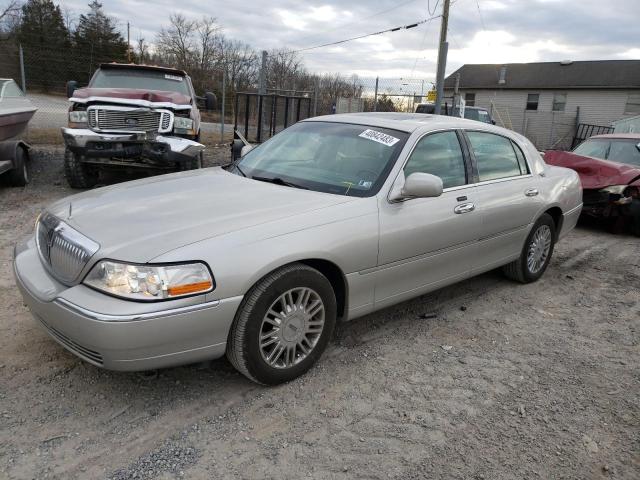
<point x="586" y="130"/>
<point x="260" y="116"/>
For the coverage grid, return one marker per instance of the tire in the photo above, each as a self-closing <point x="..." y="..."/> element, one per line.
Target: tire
<point x="249" y="346"/>
<point x="79" y="174"/>
<point x="193" y="163"/>
<point x="19" y="175"/>
<point x="635" y="217"/>
<point x="524" y="271"/>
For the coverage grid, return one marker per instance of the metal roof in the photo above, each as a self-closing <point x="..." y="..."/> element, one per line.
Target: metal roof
<point x="549" y="75"/>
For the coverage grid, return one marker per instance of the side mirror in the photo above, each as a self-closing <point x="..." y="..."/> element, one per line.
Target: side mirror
<point x="421" y="185"/>
<point x="246" y="149"/>
<point x="236" y="149"/>
<point x="210" y="101"/>
<point x="493" y="122"/>
<point x="72" y="86"/>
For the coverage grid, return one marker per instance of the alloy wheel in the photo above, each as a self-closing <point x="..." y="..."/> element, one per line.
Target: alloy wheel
<point x="291" y="328"/>
<point x="539" y="249"/>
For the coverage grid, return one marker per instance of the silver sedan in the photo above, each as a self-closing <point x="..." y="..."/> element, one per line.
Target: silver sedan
<point x="332" y="219"/>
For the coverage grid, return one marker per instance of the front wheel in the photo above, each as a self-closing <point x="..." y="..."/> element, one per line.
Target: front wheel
<point x="283" y="325"/>
<point x="536" y="253"/>
<point x="78" y="173"/>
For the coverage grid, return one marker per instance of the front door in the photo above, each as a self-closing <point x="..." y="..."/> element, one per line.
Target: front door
<point x="428" y="242"/>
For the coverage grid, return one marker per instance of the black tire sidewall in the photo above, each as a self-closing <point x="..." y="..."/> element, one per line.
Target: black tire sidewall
<point x="545" y="219"/>
<point x="256" y="365"/>
<point x="17" y="176"/>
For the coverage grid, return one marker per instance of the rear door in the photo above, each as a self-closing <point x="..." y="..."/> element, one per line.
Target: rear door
<point x="428" y="242"/>
<point x="508" y="198"/>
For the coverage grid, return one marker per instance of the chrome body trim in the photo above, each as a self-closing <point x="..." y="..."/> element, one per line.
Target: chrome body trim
<point x="104" y="317"/>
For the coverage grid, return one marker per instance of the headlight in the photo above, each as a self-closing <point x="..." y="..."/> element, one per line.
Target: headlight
<point x="78" y="116"/>
<point x="182" y="123"/>
<point x="150" y="282"/>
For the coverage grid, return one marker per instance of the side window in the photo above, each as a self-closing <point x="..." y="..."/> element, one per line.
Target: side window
<point x="495" y="156"/>
<point x="470" y="99"/>
<point x="439" y="154"/>
<point x="532" y="101"/>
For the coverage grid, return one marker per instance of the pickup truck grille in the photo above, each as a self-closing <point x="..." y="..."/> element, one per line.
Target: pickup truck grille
<point x="63" y="250"/>
<point x="125" y="119"/>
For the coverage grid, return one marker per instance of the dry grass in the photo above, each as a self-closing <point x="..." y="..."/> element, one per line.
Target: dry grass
<point x="44" y="136"/>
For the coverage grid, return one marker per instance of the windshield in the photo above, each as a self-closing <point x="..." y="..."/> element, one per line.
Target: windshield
<point x="140" y="79"/>
<point x="344" y="159"/>
<point x="479" y="115"/>
<point x="614" y="149"/>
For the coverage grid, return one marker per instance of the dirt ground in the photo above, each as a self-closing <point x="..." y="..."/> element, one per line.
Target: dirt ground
<point x="484" y="380"/>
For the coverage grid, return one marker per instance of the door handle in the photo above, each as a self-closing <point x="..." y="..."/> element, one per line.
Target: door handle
<point x="464" y="208"/>
<point x="531" y="192"/>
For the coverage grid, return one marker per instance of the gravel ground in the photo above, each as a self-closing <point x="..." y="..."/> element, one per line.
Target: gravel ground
<point x="484" y="380"/>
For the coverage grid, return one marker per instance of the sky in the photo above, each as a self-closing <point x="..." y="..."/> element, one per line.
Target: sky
<point x="480" y="31"/>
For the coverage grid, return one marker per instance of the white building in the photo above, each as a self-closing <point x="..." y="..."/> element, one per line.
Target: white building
<point x="546" y="101"/>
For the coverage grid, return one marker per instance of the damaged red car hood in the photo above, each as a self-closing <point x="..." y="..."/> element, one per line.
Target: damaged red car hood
<point x="594" y="173"/>
<point x="153" y="96"/>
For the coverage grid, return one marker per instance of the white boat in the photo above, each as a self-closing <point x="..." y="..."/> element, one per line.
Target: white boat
<point x="15" y="112"/>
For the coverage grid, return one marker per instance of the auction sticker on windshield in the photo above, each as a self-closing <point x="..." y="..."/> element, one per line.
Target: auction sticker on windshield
<point x="175" y="78"/>
<point x="379" y="137"/>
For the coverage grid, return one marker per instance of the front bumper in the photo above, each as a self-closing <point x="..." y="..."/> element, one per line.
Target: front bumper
<point x="156" y="147"/>
<point x="104" y="333"/>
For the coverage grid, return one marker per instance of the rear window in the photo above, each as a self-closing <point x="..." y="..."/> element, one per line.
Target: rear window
<point x="596" y="148"/>
<point x="140" y="80"/>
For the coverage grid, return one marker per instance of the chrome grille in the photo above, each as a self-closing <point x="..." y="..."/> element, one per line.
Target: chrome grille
<point x="63" y="250"/>
<point x="118" y="119"/>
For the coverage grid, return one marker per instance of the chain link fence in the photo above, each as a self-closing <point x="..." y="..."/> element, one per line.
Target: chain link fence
<point x="45" y="72"/>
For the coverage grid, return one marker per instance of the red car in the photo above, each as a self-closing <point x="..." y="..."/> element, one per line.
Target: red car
<point x="609" y="169"/>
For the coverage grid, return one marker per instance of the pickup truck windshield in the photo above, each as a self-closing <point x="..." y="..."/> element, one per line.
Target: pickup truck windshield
<point x="339" y="158"/>
<point x="140" y="79"/>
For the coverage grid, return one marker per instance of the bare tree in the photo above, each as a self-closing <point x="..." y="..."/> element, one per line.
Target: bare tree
<point x="9" y="14"/>
<point x="176" y="42"/>
<point x="207" y="32"/>
<point x="141" y="50"/>
<point x="284" y="67"/>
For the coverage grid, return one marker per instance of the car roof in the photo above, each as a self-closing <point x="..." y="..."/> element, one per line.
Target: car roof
<point x="625" y="136"/>
<point x="404" y="122"/>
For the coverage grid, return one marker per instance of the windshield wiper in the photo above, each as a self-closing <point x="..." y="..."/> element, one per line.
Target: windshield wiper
<point x="278" y="181"/>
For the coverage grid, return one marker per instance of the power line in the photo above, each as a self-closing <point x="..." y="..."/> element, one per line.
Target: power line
<point x="480" y="14"/>
<point x="361" y="19"/>
<point x="395" y="29"/>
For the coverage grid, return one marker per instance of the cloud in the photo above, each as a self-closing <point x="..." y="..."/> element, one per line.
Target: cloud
<point x="495" y="31"/>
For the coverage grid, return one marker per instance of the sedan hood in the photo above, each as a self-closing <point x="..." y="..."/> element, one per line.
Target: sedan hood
<point x="138" y="221"/>
<point x="151" y="96"/>
<point x="594" y="173"/>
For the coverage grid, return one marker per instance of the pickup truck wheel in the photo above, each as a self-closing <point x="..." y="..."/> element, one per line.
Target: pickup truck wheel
<point x="283" y="325"/>
<point x="191" y="164"/>
<point x="536" y="252"/>
<point x="79" y="174"/>
<point x="19" y="175"/>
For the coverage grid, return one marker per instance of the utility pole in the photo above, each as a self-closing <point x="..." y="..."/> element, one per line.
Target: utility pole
<point x="442" y="56"/>
<point x="262" y="86"/>
<point x="128" y="44"/>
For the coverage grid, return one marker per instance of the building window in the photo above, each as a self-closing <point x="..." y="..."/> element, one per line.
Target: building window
<point x="633" y="103"/>
<point x="559" y="102"/>
<point x="470" y="99"/>
<point x="532" y="101"/>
